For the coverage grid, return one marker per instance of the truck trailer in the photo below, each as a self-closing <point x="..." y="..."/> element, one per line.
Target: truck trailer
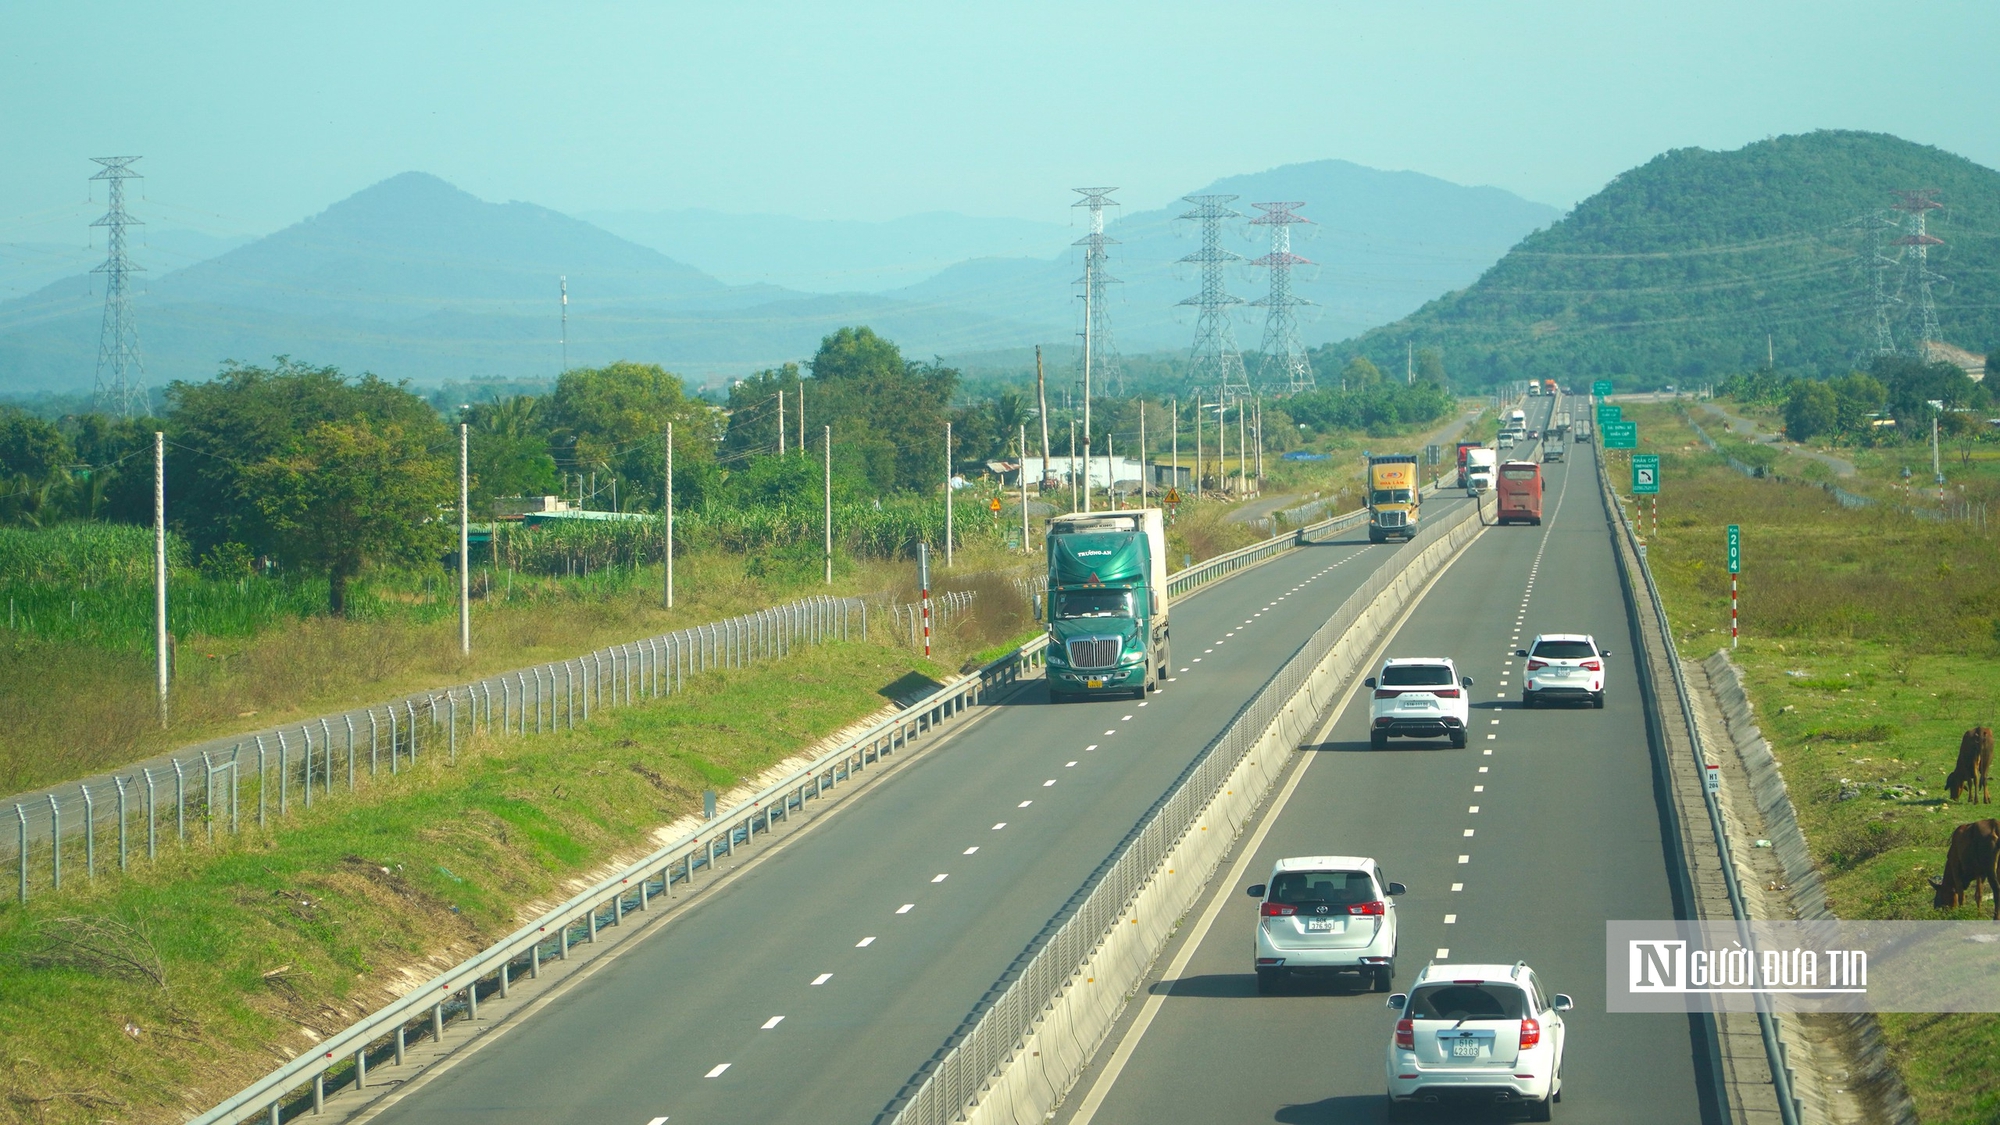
<point x="1107" y="604"/>
<point x="1393" y="496"/>
<point x="1464" y="447"/>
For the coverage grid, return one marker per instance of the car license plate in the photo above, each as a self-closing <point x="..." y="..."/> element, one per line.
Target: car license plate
<point x="1093" y="683"/>
<point x="1465" y="1048"/>
<point x="1323" y="925"/>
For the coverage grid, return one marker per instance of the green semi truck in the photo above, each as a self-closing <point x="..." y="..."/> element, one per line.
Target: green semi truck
<point x="1107" y="604"/>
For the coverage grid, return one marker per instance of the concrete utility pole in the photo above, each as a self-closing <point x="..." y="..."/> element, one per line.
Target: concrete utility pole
<point x="1025" y="548"/>
<point x="802" y="417"/>
<point x="1222" y="445"/>
<point x="1042" y="404"/>
<point x="1072" y="464"/>
<point x="1142" y="453"/>
<point x="781" y="421"/>
<point x="160" y="567"/>
<point x="947" y="495"/>
<point x="1242" y="453"/>
<point x="1175" y="414"/>
<point x="828" y="438"/>
<point x="1260" y="444"/>
<point x="564" y="283"/>
<point x="464" y="545"/>
<point x="1110" y="473"/>
<point x="669" y="515"/>
<point x="1089" y="446"/>
<point x="1199" y="406"/>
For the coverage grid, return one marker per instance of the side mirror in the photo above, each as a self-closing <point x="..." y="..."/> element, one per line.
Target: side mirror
<point x="1398" y="889"/>
<point x="1520" y="652"/>
<point x="1563" y="1002"/>
<point x="1254" y="890"/>
<point x="1397" y="1000"/>
<point x="1465" y="681"/>
<point x="1369" y="682"/>
<point x="1604" y="652"/>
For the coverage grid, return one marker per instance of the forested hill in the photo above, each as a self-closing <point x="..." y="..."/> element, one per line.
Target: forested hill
<point x="1677" y="270"/>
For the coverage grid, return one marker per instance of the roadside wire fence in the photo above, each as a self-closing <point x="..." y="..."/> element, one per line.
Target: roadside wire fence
<point x="906" y="625"/>
<point x="196" y="797"/>
<point x="1950" y="510"/>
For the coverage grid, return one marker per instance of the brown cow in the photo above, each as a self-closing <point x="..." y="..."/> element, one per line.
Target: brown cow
<point x="1972" y="862"/>
<point x="1975" y="761"/>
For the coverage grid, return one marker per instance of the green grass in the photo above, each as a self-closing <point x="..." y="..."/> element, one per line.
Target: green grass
<point x="312" y="924"/>
<point x="1869" y="644"/>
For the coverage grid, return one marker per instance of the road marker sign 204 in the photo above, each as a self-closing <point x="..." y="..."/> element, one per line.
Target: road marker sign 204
<point x="1820" y="966"/>
<point x="1645" y="474"/>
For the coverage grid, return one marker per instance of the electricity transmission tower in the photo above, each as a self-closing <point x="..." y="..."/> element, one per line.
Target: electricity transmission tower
<point x="1097" y="312"/>
<point x="117" y="391"/>
<point x="1284" y="363"/>
<point x="1918" y="278"/>
<point x="1214" y="360"/>
<point x="1884" y="299"/>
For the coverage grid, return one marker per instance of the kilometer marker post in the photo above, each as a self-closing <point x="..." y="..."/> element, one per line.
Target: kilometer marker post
<point x="1735" y="566"/>
<point x="924" y="591"/>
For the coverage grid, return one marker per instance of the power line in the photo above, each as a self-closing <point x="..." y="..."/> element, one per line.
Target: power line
<point x="119" y="369"/>
<point x="1284" y="363"/>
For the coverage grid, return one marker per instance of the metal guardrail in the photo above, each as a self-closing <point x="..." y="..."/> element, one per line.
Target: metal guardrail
<point x="999" y="1025"/>
<point x="205" y="791"/>
<point x="1767" y="1024"/>
<point x="344" y="1059"/>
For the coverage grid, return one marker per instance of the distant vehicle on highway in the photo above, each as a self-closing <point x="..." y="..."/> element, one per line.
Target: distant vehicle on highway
<point x="1394" y="496"/>
<point x="1518" y="419"/>
<point x="1324" y="915"/>
<point x="1553" y="451"/>
<point x="1419" y="697"/>
<point x="1563" y="666"/>
<point x="1518" y="493"/>
<point x="1107" y="603"/>
<point x="1479" y="465"/>
<point x="1477" y="1035"/>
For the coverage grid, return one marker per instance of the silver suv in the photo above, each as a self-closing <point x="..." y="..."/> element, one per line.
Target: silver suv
<point x="1419" y="697"/>
<point x="1563" y="666"/>
<point x="1326" y="914"/>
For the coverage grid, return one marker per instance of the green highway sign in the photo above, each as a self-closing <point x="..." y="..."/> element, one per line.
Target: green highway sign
<point x="1601" y="387"/>
<point x="1609" y="414"/>
<point x="1621" y="435"/>
<point x="1735" y="550"/>
<point x="1645" y="473"/>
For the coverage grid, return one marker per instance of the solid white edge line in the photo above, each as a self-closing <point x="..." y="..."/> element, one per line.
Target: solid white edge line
<point x="1129" y="1042"/>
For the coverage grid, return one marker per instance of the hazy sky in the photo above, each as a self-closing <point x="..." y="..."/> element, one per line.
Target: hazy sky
<point x="251" y="116"/>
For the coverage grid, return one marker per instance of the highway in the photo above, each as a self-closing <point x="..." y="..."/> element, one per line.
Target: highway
<point x="812" y="989"/>
<point x="1516" y="848"/>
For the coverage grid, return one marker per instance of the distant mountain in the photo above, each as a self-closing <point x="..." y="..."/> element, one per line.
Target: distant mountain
<point x="1694" y="264"/>
<point x="28" y="266"/>
<point x="1382" y="244"/>
<point x="829" y="255"/>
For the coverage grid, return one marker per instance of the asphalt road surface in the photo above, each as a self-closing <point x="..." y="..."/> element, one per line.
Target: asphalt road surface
<point x="813" y="988"/>
<point x="1518" y="847"/>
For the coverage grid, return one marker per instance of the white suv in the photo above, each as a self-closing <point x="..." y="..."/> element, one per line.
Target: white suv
<point x="1563" y="666"/>
<point x="1326" y="914"/>
<point x="1477" y="1034"/>
<point x="1419" y="697"/>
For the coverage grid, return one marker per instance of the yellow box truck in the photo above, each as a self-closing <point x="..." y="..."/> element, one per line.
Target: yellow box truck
<point x="1393" y="496"/>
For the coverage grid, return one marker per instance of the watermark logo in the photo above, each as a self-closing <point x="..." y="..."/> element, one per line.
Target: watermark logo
<point x="1655" y="966"/>
<point x="1822" y="966"/>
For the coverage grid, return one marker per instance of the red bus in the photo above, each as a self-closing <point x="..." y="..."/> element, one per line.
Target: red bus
<point x="1519" y="492"/>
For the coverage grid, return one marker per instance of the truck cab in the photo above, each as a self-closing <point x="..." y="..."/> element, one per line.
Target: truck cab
<point x="1393" y="496"/>
<point x="1107" y="604"/>
<point x="1479" y="465"/>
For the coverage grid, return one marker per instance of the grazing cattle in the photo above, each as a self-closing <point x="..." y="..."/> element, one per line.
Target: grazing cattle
<point x="1971" y="863"/>
<point x="1975" y="761"/>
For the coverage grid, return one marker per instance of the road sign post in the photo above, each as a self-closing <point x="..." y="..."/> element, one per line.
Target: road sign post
<point x="1646" y="482"/>
<point x="1735" y="567"/>
<point x="1609" y="414"/>
<point x="1620" y="435"/>
<point x="1600" y="387"/>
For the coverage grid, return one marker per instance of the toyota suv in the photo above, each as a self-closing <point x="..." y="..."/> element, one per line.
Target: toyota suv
<point x="1326" y="914"/>
<point x="1477" y="1035"/>
<point x="1566" y="666"/>
<point x="1419" y="697"/>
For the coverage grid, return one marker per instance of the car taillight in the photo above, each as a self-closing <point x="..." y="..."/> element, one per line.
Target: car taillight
<point x="1367" y="908"/>
<point x="1534" y="664"/>
<point x="1531" y="1034"/>
<point x="1446" y="693"/>
<point x="1279" y="910"/>
<point x="1406" y="1034"/>
<point x="1385" y="693"/>
<point x="1592" y="666"/>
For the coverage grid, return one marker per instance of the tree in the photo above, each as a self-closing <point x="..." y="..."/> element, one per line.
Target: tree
<point x="1430" y="367"/>
<point x="612" y="420"/>
<point x="1811" y="410"/>
<point x="509" y="451"/>
<point x="33" y="457"/>
<point x="345" y="495"/>
<point x="888" y="413"/>
<point x="1359" y="373"/>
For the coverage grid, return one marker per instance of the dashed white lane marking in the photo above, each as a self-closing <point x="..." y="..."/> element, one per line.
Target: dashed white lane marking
<point x="1207" y="650"/>
<point x="1494" y="722"/>
<point x="1048" y="783"/>
<point x="864" y="943"/>
<point x="1124" y="718"/>
<point x="1113" y="730"/>
<point x="822" y="979"/>
<point x="1491" y="737"/>
<point x="1479" y="788"/>
<point x="1450" y="919"/>
<point x="657" y="1121"/>
<point x="1465" y="859"/>
<point x="1090" y="747"/>
<point x="1067" y="765"/>
<point x="717" y="1072"/>
<point x="906" y="908"/>
<point x="1468" y="832"/>
<point x="1488" y="753"/>
<point x="970" y="850"/>
<point x="1024" y="804"/>
<point x="768" y="1025"/>
<point x="1472" y="808"/>
<point x="1197" y="660"/>
<point x="1458" y="886"/>
<point x="999" y="826"/>
<point x="943" y="875"/>
<point x="1143" y="704"/>
<point x="1443" y="954"/>
<point x="1482" y="769"/>
<point x="1499" y="695"/>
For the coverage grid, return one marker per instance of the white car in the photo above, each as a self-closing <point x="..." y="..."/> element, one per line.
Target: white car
<point x="1326" y="914"/>
<point x="1485" y="1035"/>
<point x="1566" y="666"/>
<point x="1419" y="697"/>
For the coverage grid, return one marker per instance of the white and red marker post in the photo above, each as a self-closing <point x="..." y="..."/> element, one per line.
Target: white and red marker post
<point x="924" y="591"/>
<point x="1735" y="566"/>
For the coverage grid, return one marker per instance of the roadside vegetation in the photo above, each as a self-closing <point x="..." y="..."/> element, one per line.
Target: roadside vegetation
<point x="1869" y="644"/>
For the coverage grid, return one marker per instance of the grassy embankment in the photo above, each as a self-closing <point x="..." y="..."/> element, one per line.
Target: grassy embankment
<point x="142" y="997"/>
<point x="1869" y="644"/>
